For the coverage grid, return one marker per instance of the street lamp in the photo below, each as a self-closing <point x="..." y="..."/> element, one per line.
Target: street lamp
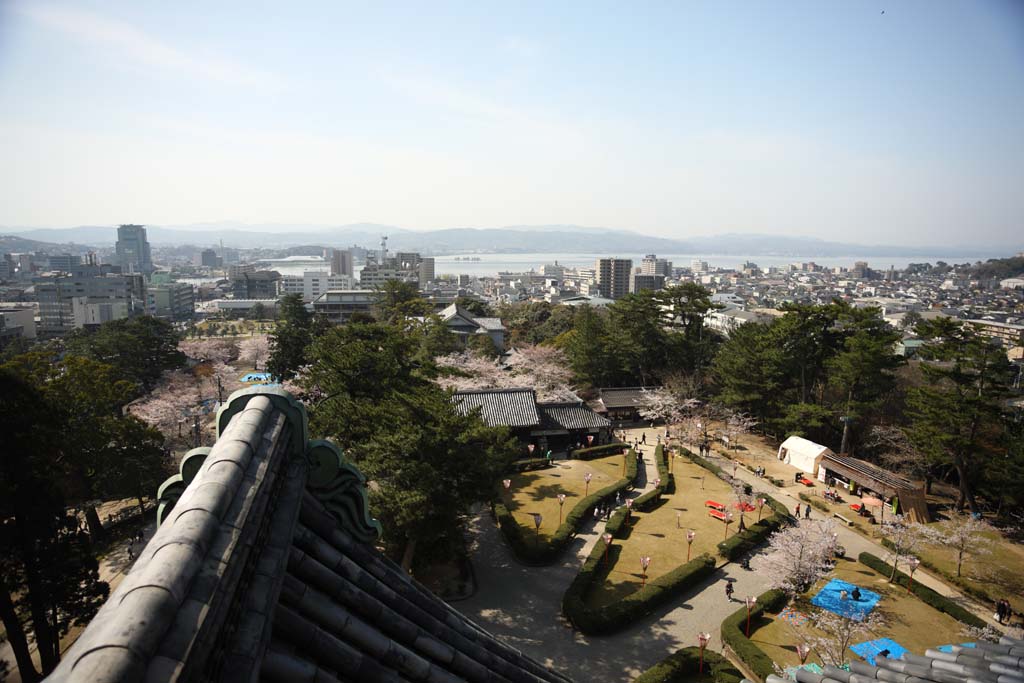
<point x="645" y="562"/>
<point x="507" y="483"/>
<point x="760" y="506"/>
<point x="530" y="448"/>
<point x="679" y="516"/>
<point x="913" y="563"/>
<point x="802" y="650"/>
<point x="629" y="509"/>
<point x="536" y="522"/>
<point x="728" y="521"/>
<point x="607" y="538"/>
<point x="561" y="502"/>
<point x="702" y="639"/>
<point x="750" y="602"/>
<point x="690" y="535"/>
<point x="586" y="478"/>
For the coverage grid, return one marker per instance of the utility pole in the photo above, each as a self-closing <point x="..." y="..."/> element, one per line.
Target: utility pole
<point x="846" y="420"/>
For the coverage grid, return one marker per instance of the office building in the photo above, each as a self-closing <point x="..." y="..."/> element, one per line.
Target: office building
<point x="698" y="266"/>
<point x="642" y="281"/>
<point x="341" y="262"/>
<point x="403" y="266"/>
<point x="652" y="265"/>
<point x="209" y="259"/>
<point x="172" y="301"/>
<point x="17" y="321"/>
<point x="312" y="284"/>
<point x="133" y="250"/>
<point x="64" y="262"/>
<point x="339" y="306"/>
<point x="613" y="276"/>
<point x="426" y="269"/>
<point x="259" y="284"/>
<point x="71" y="302"/>
<point x="236" y="271"/>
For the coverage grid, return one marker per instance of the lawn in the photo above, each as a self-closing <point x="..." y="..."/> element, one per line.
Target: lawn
<point x="537" y="491"/>
<point x="657" y="535"/>
<point x="999" y="573"/>
<point x="908" y="620"/>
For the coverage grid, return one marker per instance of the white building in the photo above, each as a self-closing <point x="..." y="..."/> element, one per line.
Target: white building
<point x="1012" y="283"/>
<point x="803" y="454"/>
<point x="311" y="284"/>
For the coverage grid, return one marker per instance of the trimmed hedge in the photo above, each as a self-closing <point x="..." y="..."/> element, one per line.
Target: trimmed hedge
<point x="927" y="595"/>
<point x="705" y="463"/>
<point x="814" y="502"/>
<point x="598" y="451"/>
<point x="682" y="665"/>
<point x="523" y="541"/>
<point x="734" y="633"/>
<point x="528" y="464"/>
<point x="668" y="479"/>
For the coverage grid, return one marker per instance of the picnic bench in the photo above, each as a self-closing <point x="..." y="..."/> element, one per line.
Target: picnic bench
<point x="806" y="482"/>
<point x="715" y="505"/>
<point x="848" y="521"/>
<point x="857" y="507"/>
<point x="717" y="514"/>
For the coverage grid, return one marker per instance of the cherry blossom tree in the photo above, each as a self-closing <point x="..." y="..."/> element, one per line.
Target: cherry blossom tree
<point x="830" y="635"/>
<point x="540" y="368"/>
<point x="171" y="401"/>
<point x="254" y="349"/>
<point x="964" y="534"/>
<point x="736" y="425"/>
<point x="660" y="404"/>
<point x="800" y="555"/>
<point x="904" y="537"/>
<point x="209" y="350"/>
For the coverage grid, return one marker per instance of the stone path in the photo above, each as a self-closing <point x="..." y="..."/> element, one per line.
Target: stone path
<point x="522" y="604"/>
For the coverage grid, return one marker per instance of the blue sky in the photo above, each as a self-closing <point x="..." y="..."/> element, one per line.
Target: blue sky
<point x="827" y="119"/>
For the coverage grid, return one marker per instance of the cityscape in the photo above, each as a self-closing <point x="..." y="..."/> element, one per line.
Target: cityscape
<point x="767" y="427"/>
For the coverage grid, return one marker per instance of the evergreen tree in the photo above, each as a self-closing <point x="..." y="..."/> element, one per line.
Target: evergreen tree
<point x="296" y="329"/>
<point x="141" y="348"/>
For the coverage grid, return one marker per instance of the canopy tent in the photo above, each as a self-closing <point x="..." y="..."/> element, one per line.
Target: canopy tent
<point x="802" y="454"/>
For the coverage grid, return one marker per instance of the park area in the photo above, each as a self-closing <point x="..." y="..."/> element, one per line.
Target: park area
<point x="907" y="620"/>
<point x="536" y="492"/>
<point x="661" y="533"/>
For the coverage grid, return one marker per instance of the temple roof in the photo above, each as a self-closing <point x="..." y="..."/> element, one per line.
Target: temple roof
<point x="263" y="568"/>
<point x="506" y="407"/>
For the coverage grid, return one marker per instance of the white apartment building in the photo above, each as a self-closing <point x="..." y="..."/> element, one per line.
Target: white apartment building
<point x="312" y="284"/>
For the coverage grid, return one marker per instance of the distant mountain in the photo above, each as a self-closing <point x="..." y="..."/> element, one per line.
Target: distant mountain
<point x="16" y="244"/>
<point x="511" y="239"/>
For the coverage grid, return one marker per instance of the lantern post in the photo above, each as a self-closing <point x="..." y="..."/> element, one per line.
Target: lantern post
<point x="690" y="535"/>
<point x="702" y="640"/>
<point x="645" y="562"/>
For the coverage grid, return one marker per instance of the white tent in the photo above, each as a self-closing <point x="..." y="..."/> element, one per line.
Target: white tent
<point x="802" y="454"/>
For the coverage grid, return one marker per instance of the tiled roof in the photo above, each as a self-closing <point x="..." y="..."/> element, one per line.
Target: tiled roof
<point x="263" y="569"/>
<point x="626" y="397"/>
<point x="504" y="407"/>
<point x="1002" y="661"/>
<point x="572" y="416"/>
<point x="491" y="324"/>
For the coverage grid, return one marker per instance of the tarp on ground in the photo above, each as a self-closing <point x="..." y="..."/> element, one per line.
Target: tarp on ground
<point x="802" y="454"/>
<point x="870" y="649"/>
<point x="831" y="598"/>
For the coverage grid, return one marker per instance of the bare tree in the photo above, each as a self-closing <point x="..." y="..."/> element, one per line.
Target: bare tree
<point x="904" y="537"/>
<point x="736" y="425"/>
<point x="897" y="452"/>
<point x="798" y="556"/>
<point x="963" y="534"/>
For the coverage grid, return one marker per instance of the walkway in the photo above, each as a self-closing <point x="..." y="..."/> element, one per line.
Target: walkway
<point x="523" y="604"/>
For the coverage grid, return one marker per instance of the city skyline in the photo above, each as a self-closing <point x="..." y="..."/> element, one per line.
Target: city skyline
<point x="840" y="122"/>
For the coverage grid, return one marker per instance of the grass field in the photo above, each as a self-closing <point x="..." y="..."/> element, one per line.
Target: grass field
<point x="537" y="491"/>
<point x="657" y="534"/>
<point x="908" y="620"/>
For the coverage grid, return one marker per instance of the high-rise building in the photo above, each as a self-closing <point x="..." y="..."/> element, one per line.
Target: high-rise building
<point x="209" y="259"/>
<point x="260" y="284"/>
<point x="613" y="276"/>
<point x="642" y="281"/>
<point x="652" y="265"/>
<point x="70" y="302"/>
<point x="133" y="250"/>
<point x="426" y="271"/>
<point x="698" y="266"/>
<point x="341" y="262"/>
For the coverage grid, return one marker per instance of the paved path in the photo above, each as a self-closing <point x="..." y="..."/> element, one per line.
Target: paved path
<point x="522" y="604"/>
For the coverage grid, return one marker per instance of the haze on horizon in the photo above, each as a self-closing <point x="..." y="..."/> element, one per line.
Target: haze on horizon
<point x="830" y="120"/>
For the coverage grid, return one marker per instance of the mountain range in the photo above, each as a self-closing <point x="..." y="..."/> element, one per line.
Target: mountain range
<point x="510" y="239"/>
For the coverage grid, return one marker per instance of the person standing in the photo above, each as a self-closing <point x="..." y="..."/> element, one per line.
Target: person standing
<point x="798" y="510"/>
<point x="643" y="438"/>
<point x="807" y="512"/>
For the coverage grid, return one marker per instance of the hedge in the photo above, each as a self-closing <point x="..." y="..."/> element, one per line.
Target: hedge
<point x="597" y="451"/>
<point x="528" y="464"/>
<point x="523" y="541"/>
<point x="820" y="504"/>
<point x="705" y="463"/>
<point x="927" y="595"/>
<point x="682" y="665"/>
<point x="734" y="632"/>
<point x="667" y="478"/>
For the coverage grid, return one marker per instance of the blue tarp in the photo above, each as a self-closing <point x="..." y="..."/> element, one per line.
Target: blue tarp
<point x="949" y="648"/>
<point x="871" y="648"/>
<point x="812" y="667"/>
<point x="830" y="598"/>
<point x="257" y="377"/>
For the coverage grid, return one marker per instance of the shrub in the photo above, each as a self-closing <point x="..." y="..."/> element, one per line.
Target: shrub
<point x="682" y="665"/>
<point x="528" y="464"/>
<point x="814" y="502"/>
<point x="528" y="551"/>
<point x="734" y="632"/>
<point x="705" y="463"/>
<point x="598" y="451"/>
<point x="926" y="594"/>
<point x="739" y="544"/>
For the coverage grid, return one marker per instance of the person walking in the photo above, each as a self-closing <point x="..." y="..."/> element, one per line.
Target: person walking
<point x="807" y="512"/>
<point x="728" y="590"/>
<point x="643" y="438"/>
<point x="798" y="510"/>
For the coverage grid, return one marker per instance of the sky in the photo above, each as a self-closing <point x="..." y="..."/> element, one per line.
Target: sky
<point x="873" y="122"/>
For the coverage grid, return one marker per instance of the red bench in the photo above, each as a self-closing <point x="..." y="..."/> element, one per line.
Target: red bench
<point x="714" y="504"/>
<point x="717" y="514"/>
<point x="806" y="482"/>
<point x="856" y="507"/>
